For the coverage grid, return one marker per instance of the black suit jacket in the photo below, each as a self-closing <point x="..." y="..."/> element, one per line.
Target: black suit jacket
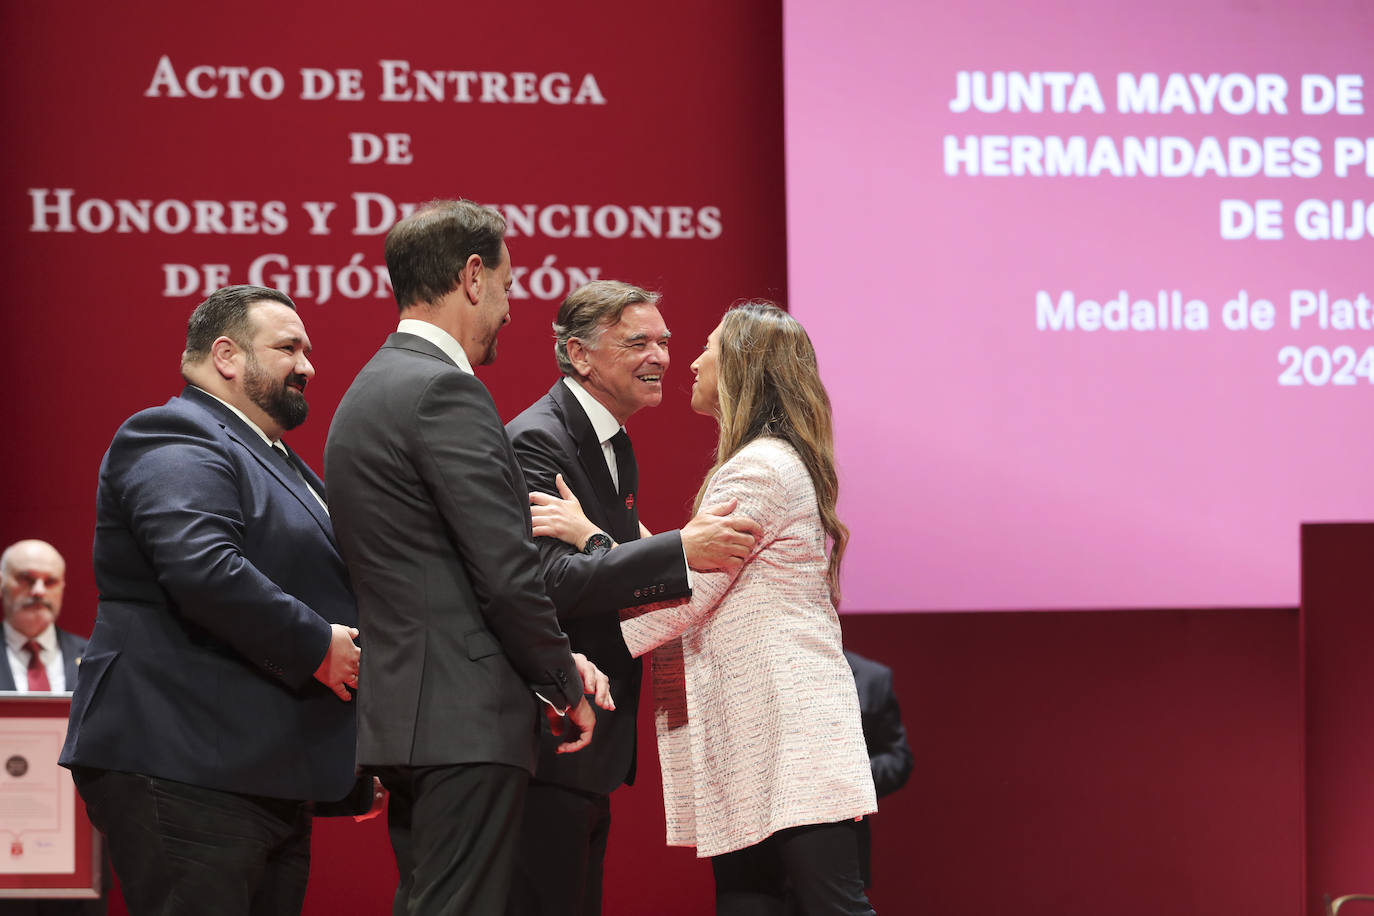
<point x="218" y="579"/>
<point x="554" y="436"/>
<point x="69" y="644"/>
<point x="432" y="515"/>
<point x="888" y="752"/>
<point x="889" y="755"/>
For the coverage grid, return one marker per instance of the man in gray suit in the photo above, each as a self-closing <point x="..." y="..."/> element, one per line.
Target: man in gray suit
<point x="431" y="512"/>
<point x="38" y="656"/>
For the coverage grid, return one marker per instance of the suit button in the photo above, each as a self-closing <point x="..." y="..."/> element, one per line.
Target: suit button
<point x="636" y="593"/>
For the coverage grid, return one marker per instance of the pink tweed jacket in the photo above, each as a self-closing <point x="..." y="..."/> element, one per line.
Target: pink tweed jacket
<point x="756" y="709"/>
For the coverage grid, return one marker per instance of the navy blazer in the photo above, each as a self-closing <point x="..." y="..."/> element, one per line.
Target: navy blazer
<point x="554" y="436"/>
<point x="219" y="578"/>
<point x="69" y="644"/>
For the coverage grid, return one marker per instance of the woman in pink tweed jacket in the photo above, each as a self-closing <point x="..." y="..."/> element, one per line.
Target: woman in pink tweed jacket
<point x="762" y="750"/>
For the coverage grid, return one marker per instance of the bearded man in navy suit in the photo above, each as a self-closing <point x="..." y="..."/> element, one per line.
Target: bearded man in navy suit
<point x="212" y="706"/>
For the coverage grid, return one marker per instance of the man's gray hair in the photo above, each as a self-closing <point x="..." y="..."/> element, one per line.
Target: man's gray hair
<point x="591" y="309"/>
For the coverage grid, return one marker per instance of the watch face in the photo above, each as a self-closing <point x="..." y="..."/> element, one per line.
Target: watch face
<point x="597" y="542"/>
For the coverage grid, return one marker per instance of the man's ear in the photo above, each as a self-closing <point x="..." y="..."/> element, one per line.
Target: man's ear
<point x="472" y="278"/>
<point x="579" y="354"/>
<point x="223" y="353"/>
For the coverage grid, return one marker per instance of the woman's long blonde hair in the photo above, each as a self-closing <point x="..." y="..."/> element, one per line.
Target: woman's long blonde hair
<point x="768" y="384"/>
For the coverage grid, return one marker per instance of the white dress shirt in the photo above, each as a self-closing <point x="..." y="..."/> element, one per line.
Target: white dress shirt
<point x="439" y="337"/>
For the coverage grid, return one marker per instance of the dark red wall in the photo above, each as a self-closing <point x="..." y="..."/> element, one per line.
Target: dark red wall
<point x="1338" y="703"/>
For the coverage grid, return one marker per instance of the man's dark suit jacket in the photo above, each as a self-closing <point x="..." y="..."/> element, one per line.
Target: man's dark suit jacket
<point x="554" y="436"/>
<point x="889" y="755"/>
<point x="219" y="579"/>
<point x="432" y="514"/>
<point x="69" y="644"/>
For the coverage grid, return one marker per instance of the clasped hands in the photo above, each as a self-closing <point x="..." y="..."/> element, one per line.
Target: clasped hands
<point x="339" y="672"/>
<point x="594" y="684"/>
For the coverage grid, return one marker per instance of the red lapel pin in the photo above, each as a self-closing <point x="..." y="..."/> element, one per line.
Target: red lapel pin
<point x="630" y="501"/>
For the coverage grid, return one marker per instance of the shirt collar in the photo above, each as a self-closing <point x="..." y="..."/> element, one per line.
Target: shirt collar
<point x="242" y="416"/>
<point x="439" y="337"/>
<point x="604" y="424"/>
<point x="16" y="640"/>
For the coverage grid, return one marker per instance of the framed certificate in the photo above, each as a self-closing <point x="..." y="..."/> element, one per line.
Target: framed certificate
<point x="48" y="847"/>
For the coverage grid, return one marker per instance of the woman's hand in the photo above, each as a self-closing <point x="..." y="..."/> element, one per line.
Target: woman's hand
<point x="560" y="518"/>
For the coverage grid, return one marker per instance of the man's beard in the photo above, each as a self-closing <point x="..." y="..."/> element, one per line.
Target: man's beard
<point x="278" y="400"/>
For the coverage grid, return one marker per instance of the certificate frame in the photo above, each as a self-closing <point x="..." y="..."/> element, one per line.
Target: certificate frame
<point x="84" y="881"/>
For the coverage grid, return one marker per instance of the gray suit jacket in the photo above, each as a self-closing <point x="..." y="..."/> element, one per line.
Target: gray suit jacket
<point x="432" y="515"/>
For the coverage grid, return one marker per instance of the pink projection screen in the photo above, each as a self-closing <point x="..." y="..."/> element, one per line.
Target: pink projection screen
<point x="1091" y="288"/>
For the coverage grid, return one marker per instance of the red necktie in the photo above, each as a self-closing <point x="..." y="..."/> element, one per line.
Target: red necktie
<point x="38" y="675"/>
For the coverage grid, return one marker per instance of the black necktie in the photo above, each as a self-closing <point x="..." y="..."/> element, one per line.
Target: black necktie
<point x="296" y="472"/>
<point x="281" y="452"/>
<point x="625" y="468"/>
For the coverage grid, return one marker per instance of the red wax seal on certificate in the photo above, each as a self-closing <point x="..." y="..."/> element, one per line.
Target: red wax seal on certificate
<point x="17" y="848"/>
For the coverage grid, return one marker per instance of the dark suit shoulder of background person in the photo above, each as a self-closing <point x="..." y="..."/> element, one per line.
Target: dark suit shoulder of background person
<point x="889" y="754"/>
<point x="888" y="751"/>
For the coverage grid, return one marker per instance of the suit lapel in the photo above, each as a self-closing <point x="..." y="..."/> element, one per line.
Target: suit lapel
<point x="271" y="462"/>
<point x="610" y="509"/>
<point x="588" y="448"/>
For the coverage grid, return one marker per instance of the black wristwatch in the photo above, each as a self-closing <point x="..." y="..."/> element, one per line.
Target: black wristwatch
<point x="598" y="541"/>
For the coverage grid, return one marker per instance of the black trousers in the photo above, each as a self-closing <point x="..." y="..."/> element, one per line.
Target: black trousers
<point x="453" y="831"/>
<point x="179" y="848"/>
<point x="562" y="852"/>
<point x="813" y="869"/>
